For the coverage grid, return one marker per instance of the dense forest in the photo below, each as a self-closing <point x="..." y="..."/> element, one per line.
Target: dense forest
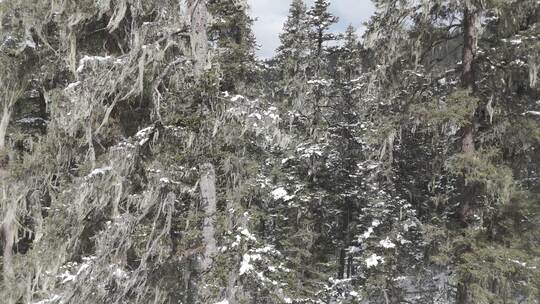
<point x="148" y="156"/>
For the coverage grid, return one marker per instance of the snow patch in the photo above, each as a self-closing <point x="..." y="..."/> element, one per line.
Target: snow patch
<point x="144" y="132"/>
<point x="143" y="135"/>
<point x="83" y="267"/>
<point x="237" y="97"/>
<point x="99" y="171"/>
<point x="374" y="260"/>
<point x="354" y="249"/>
<point x="523" y="264"/>
<point x="246" y="262"/>
<point x="166" y="180"/>
<point x="237" y="242"/>
<point x="402" y="240"/>
<point x="120" y="274"/>
<point x="407" y="226"/>
<point x="245" y="266"/>
<point x="386" y="243"/>
<point x="255" y="115"/>
<point x="32" y="120"/>
<point x="86" y="59"/>
<point x="535" y="113"/>
<point x="281" y="193"/>
<point x="322" y="82"/>
<point x="72" y="85"/>
<point x="265" y="249"/>
<point x="310" y="151"/>
<point x="67" y="277"/>
<point x="368" y="233"/>
<point x="247" y="234"/>
<point x="285" y="160"/>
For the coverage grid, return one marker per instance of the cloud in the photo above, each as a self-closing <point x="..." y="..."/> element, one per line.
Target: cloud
<point x="353" y="12"/>
<point x="271" y="15"/>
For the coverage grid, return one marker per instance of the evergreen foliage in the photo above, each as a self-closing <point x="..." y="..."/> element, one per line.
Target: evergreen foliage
<point x="399" y="167"/>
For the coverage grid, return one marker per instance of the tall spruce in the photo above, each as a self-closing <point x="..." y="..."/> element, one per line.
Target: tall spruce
<point x="293" y="55"/>
<point x="231" y="32"/>
<point x="293" y="52"/>
<point x="321" y="20"/>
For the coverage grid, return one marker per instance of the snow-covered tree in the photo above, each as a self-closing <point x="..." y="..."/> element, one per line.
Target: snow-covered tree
<point x="321" y="20"/>
<point x="147" y="156"/>
<point x="231" y="33"/>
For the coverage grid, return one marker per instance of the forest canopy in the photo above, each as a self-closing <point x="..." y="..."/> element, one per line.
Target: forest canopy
<point x="148" y="156"/>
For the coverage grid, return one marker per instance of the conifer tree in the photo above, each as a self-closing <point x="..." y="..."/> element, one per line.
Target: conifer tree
<point x="233" y="37"/>
<point x="142" y="160"/>
<point x="293" y="51"/>
<point x="293" y="55"/>
<point x="321" y="20"/>
<point x="441" y="35"/>
<point x="350" y="63"/>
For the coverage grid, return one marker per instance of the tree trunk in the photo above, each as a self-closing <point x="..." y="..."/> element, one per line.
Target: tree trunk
<point x="208" y="196"/>
<point x="198" y="17"/>
<point x="234" y="291"/>
<point x="470" y="40"/>
<point x="341" y="269"/>
<point x="8" y="236"/>
<point x="350" y="269"/>
<point x="467" y="139"/>
<point x="8" y="227"/>
<point x="344" y="268"/>
<point x="4" y="122"/>
<point x="319" y="42"/>
<point x="463" y="294"/>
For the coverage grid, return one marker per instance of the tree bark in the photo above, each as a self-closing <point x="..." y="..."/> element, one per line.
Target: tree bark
<point x="208" y="196"/>
<point x="344" y="268"/>
<point x="8" y="236"/>
<point x="467" y="139"/>
<point x="4" y="122"/>
<point x="198" y="17"/>
<point x="319" y="42"/>
<point x="470" y="40"/>
<point x="463" y="294"/>
<point x="9" y="97"/>
<point x="8" y="220"/>
<point x="341" y="269"/>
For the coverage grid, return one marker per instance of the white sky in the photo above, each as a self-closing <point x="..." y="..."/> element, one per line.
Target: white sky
<point x="271" y="15"/>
